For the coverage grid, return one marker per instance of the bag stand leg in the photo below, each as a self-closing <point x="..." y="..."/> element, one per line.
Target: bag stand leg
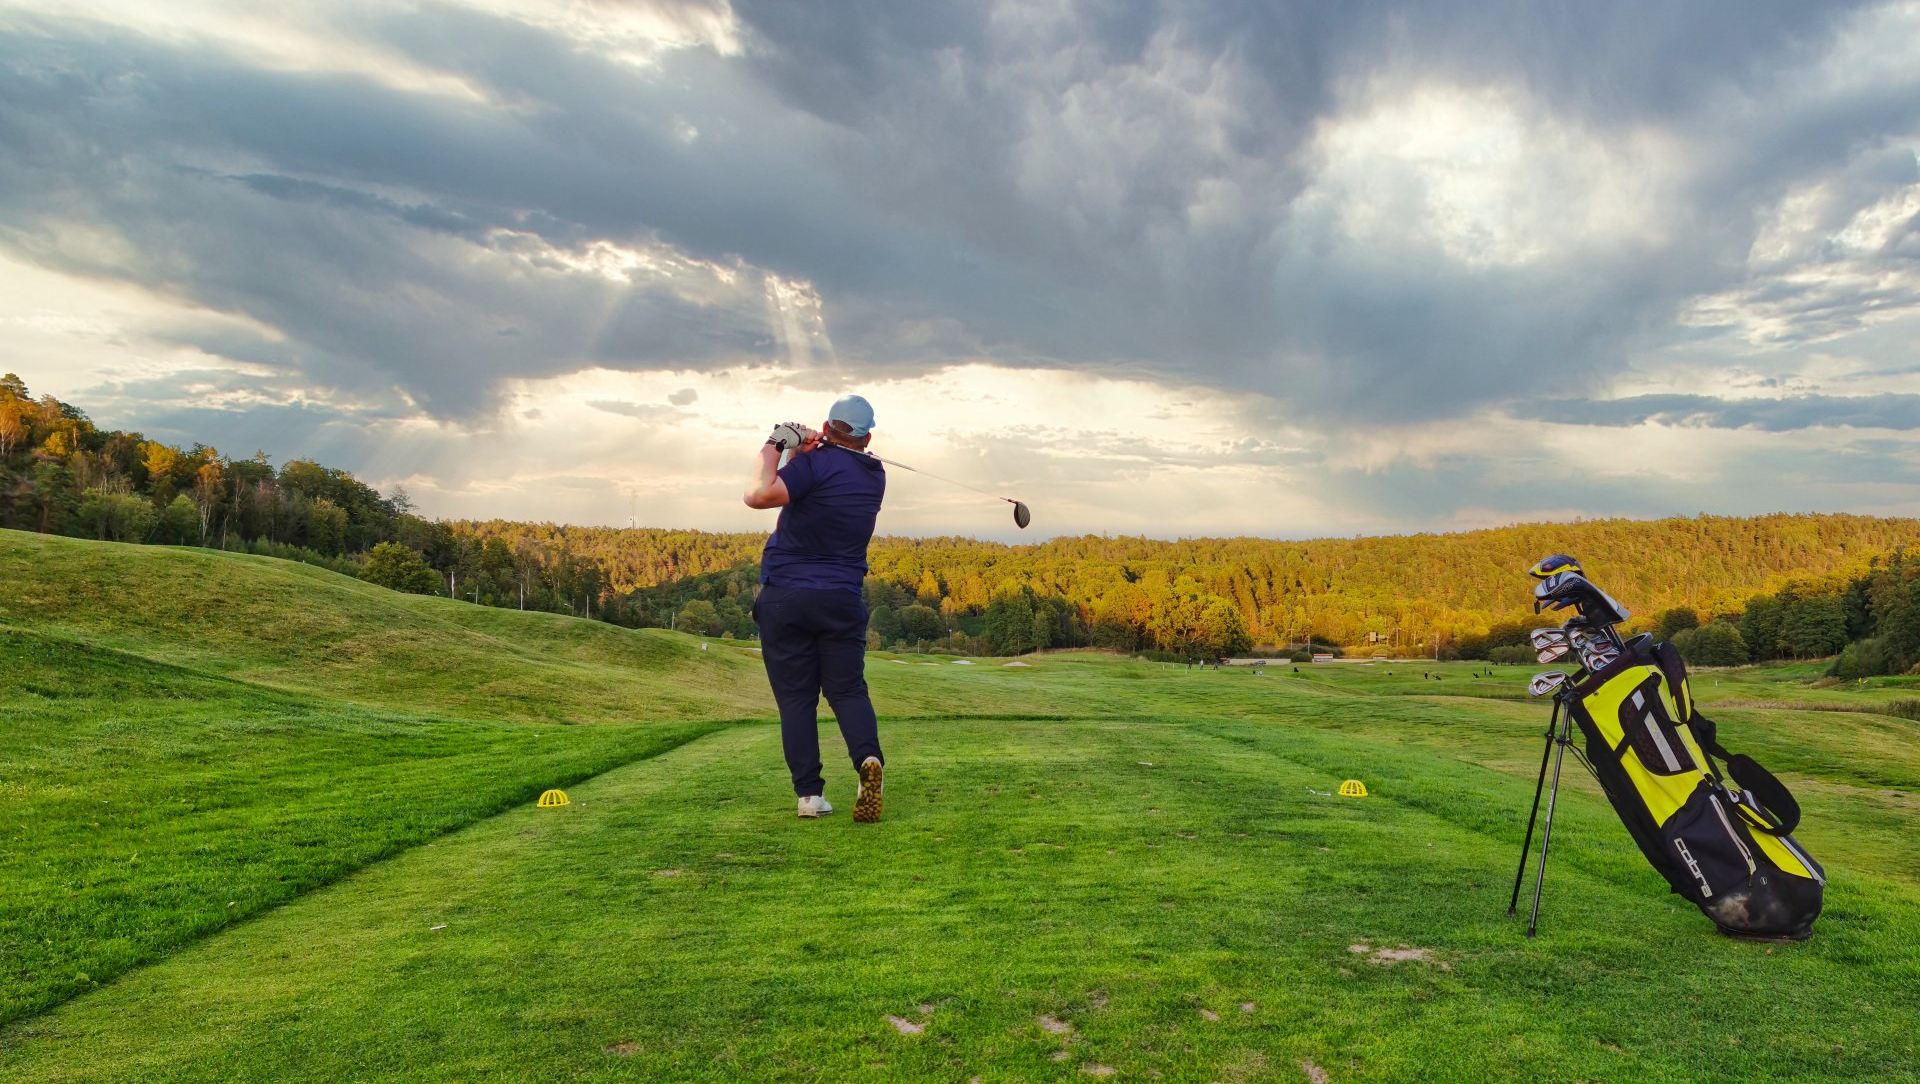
<point x="1539" y="788"/>
<point x="1561" y="741"/>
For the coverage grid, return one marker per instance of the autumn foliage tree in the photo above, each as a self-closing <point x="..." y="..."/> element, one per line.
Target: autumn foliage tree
<point x="1789" y="585"/>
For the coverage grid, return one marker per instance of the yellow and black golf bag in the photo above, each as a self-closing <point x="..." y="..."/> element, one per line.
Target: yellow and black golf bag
<point x="1725" y="847"/>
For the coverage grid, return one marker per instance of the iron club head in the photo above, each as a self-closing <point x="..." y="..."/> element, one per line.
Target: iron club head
<point x="1546" y="682"/>
<point x="1597" y="655"/>
<point x="1550" y="645"/>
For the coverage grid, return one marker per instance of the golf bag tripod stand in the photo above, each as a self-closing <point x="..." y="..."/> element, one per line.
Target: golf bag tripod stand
<point x="1559" y="740"/>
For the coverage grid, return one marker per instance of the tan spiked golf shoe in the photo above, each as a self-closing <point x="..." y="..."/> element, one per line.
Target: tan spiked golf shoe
<point x="866" y="805"/>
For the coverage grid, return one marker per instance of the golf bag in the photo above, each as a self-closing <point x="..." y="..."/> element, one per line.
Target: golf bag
<point x="1727" y="849"/>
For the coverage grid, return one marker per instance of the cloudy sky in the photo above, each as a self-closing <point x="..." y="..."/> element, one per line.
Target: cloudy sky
<point x="1177" y="268"/>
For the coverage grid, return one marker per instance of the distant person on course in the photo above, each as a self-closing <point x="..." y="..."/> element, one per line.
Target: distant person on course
<point x="811" y="612"/>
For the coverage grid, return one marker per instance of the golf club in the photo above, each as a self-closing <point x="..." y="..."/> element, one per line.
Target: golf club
<point x="1021" y="517"/>
<point x="1546" y="682"/>
<point x="1599" y="656"/>
<point x="1581" y="629"/>
<point x="1550" y="645"/>
<point x="1569" y="588"/>
<point x="1591" y="638"/>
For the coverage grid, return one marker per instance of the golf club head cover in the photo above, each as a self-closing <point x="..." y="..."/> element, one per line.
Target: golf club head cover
<point x="1548" y="567"/>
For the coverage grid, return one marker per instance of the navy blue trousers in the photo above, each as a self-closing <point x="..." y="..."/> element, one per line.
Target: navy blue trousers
<point x="815" y="642"/>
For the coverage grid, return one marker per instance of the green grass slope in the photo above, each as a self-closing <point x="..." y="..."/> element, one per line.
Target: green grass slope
<point x="192" y="737"/>
<point x="294" y="627"/>
<point x="1046" y="899"/>
<point x="142" y="804"/>
<point x="1089" y="865"/>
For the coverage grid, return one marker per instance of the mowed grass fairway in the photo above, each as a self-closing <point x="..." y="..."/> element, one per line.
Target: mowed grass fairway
<point x="260" y="822"/>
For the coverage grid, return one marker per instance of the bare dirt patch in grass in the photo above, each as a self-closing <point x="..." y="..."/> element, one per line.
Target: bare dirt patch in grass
<point x="1387" y="957"/>
<point x="1250" y="1065"/>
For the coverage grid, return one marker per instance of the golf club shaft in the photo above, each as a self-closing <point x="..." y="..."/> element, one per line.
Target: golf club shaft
<point x="937" y="477"/>
<point x="929" y="474"/>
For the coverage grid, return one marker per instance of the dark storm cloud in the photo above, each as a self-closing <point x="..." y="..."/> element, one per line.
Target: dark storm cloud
<point x="367" y="291"/>
<point x="113" y="132"/>
<point x="1271" y="301"/>
<point x="1900" y="412"/>
<point x="1114" y="185"/>
<point x="847" y="60"/>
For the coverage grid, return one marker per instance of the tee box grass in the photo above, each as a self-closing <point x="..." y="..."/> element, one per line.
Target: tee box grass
<point x="260" y="822"/>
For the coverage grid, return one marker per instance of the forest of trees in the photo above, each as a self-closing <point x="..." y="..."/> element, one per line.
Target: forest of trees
<point x="1460" y="595"/>
<point x="1872" y="620"/>
<point x="1727" y="588"/>
<point x="1869" y="623"/>
<point x="59" y="473"/>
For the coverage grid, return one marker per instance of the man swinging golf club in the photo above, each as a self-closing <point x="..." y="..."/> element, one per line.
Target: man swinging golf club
<point x="812" y="615"/>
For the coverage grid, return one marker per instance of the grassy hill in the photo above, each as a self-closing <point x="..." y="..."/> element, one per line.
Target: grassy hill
<point x="302" y="629"/>
<point x="1089" y="865"/>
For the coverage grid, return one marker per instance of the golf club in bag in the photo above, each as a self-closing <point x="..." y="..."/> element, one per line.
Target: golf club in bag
<point x="1724" y="846"/>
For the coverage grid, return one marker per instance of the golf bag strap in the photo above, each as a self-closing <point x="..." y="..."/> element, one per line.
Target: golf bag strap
<point x="1779" y="811"/>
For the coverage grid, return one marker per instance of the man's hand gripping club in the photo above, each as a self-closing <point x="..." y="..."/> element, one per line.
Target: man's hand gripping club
<point x="767" y="490"/>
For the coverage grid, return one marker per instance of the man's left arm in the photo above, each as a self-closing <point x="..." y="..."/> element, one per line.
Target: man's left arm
<point x="768" y="490"/>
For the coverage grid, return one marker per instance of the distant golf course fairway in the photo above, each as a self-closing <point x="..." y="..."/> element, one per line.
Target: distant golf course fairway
<point x="262" y="822"/>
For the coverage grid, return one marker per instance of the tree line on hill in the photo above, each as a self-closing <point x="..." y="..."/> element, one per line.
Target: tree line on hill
<point x="61" y="474"/>
<point x="1452" y="596"/>
<point x="1869" y="623"/>
<point x="1784" y="585"/>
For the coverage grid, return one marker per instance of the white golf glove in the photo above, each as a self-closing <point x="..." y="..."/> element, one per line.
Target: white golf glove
<point x="788" y="436"/>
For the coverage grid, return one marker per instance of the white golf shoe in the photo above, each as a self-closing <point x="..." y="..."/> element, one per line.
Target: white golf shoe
<point x="866" y="803"/>
<point x="813" y="805"/>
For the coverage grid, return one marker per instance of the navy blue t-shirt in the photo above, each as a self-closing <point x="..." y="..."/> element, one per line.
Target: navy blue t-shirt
<point x="820" y="542"/>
